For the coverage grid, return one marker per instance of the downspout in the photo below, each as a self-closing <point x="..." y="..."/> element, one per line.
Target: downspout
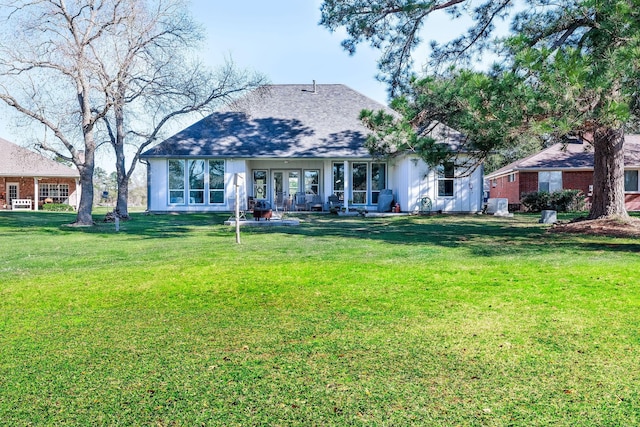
<point x="347" y="185"/>
<point x="144" y="162"/>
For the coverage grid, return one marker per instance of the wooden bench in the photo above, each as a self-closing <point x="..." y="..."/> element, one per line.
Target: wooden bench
<point x="17" y="204"/>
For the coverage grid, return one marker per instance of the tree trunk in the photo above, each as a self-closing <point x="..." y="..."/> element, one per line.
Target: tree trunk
<point x="122" y="205"/>
<point x="85" y="207"/>
<point x="608" y="174"/>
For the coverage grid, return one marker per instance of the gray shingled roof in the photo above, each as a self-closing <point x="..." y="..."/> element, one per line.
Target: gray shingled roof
<point x="285" y="121"/>
<point x="574" y="155"/>
<point x="16" y="161"/>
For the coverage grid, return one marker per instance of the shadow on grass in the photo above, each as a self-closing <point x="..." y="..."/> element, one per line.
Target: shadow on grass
<point x="483" y="236"/>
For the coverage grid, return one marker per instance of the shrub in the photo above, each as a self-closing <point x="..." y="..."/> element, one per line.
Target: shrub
<point x="57" y="207"/>
<point x="567" y="201"/>
<point x="536" y="201"/>
<point x="561" y="201"/>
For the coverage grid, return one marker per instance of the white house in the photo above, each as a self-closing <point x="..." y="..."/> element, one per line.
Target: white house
<point x="284" y="141"/>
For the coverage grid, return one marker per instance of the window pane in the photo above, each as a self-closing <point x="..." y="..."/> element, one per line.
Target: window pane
<point x="446" y="170"/>
<point x="196" y="196"/>
<point x="631" y="180"/>
<point x="445" y="187"/>
<point x="216" y="196"/>
<point x="311" y="181"/>
<point x="216" y="174"/>
<point x="176" y="196"/>
<point x="378" y="176"/>
<point x="196" y="174"/>
<point x="555" y="181"/>
<point x="338" y="177"/>
<point x="294" y="182"/>
<point x="360" y="176"/>
<point x="176" y="174"/>
<point x="260" y="184"/>
<point x="359" y="197"/>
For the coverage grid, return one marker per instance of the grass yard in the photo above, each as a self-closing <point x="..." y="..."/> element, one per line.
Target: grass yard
<point x="437" y="321"/>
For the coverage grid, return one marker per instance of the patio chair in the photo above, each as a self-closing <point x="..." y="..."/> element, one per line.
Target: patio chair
<point x="316" y="203"/>
<point x="334" y="203"/>
<point x="301" y="202"/>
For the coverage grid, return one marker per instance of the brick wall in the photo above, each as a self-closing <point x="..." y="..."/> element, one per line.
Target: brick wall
<point x="26" y="187"/>
<point x="502" y="188"/>
<point x="632" y="202"/>
<point x="578" y="181"/>
<point x="527" y="182"/>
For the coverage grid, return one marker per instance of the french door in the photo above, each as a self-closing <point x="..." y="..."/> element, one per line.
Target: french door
<point x="285" y="186"/>
<point x="13" y="191"/>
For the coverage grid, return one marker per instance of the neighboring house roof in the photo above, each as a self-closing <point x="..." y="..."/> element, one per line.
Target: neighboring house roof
<point x="20" y="162"/>
<point x="575" y="155"/>
<point x="279" y="121"/>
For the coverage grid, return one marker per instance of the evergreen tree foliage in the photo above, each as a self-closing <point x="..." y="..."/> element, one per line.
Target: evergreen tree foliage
<point x="567" y="69"/>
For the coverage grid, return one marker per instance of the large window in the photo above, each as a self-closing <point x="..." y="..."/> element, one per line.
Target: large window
<point x="359" y="180"/>
<point x="631" y="181"/>
<point x="58" y="193"/>
<point x="378" y="180"/>
<point x="446" y="175"/>
<point x="550" y="181"/>
<point x="176" y="182"/>
<point x="196" y="182"/>
<point x="312" y="182"/>
<point x="216" y="181"/>
<point x="338" y="180"/>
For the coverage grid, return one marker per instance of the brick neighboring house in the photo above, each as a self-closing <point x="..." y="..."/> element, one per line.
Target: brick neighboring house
<point x="27" y="175"/>
<point x="563" y="167"/>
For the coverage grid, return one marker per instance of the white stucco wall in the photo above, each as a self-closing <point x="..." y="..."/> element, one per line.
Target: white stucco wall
<point x="413" y="179"/>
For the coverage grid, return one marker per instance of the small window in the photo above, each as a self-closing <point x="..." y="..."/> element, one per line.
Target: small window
<point x="631" y="181"/>
<point x="511" y="177"/>
<point x="312" y="182"/>
<point x="446" y="175"/>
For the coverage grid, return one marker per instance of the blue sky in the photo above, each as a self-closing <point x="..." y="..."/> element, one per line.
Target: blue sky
<point x="282" y="39"/>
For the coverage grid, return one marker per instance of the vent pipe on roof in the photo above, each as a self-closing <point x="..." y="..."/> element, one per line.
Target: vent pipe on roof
<point x="315" y="89"/>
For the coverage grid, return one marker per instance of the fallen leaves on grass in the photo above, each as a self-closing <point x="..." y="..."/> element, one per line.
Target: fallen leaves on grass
<point x="612" y="227"/>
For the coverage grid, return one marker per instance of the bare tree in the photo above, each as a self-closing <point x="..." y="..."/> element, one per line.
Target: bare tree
<point x="153" y="81"/>
<point x="47" y="73"/>
<point x="81" y="68"/>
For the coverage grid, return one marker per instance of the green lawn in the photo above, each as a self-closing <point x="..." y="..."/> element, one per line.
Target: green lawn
<point x="437" y="321"/>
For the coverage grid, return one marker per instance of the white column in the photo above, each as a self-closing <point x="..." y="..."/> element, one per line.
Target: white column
<point x="36" y="191"/>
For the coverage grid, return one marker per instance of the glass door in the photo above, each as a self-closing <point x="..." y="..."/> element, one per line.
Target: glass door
<point x="285" y="186"/>
<point x="13" y="191"/>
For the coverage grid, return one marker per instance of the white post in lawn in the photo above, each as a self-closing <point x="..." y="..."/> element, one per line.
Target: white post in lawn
<point x="236" y="178"/>
<point x="347" y="185"/>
